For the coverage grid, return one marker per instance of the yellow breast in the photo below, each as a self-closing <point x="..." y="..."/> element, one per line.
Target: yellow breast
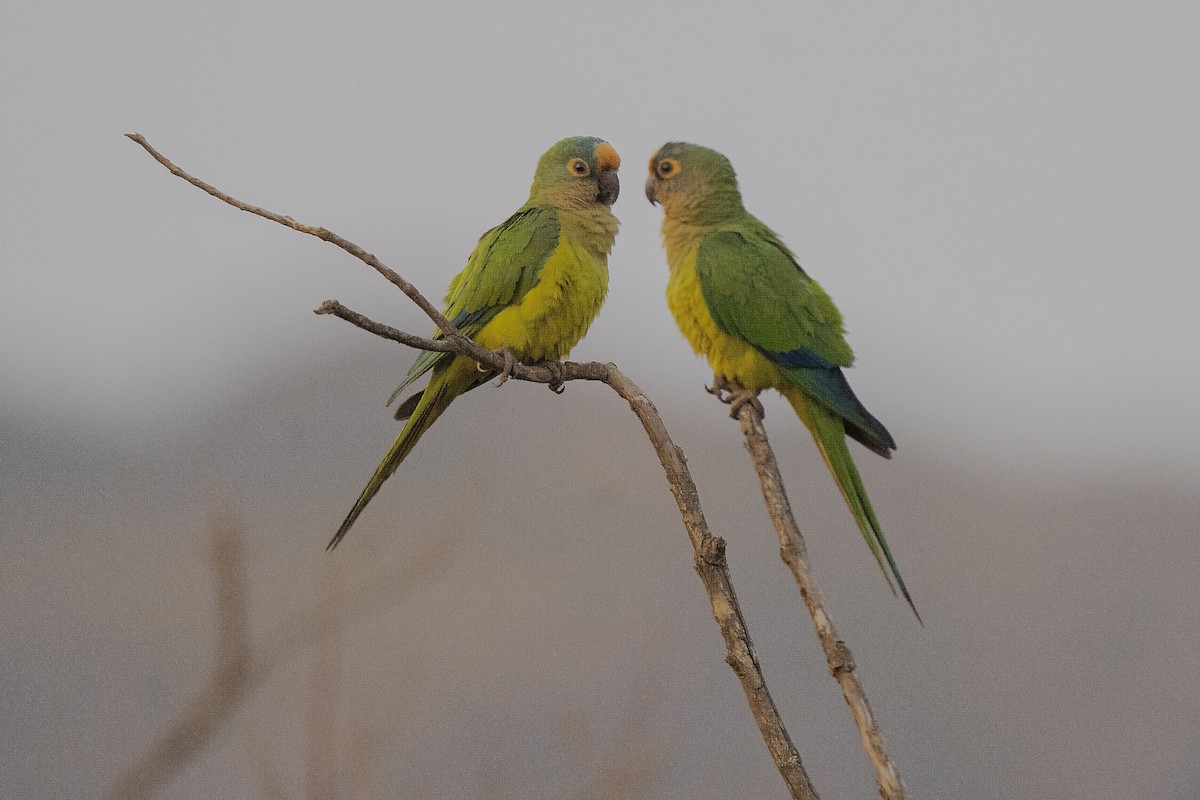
<point x="728" y="356"/>
<point x="555" y="314"/>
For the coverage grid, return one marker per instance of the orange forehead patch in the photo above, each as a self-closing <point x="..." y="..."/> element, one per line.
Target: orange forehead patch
<point x="606" y="157"/>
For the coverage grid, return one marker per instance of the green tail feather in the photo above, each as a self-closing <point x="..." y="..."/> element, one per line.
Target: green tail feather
<point x="829" y="433"/>
<point x="442" y="390"/>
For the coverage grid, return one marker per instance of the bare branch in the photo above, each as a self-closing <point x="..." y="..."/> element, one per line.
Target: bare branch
<point x="451" y="344"/>
<point x="708" y="550"/>
<point x="713" y="569"/>
<point x="571" y="371"/>
<point x="321" y="233"/>
<point x="795" y="554"/>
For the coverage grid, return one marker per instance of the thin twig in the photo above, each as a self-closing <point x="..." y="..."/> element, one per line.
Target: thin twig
<point x="708" y="550"/>
<point x="312" y="230"/>
<point x="451" y="344"/>
<point x="795" y="554"/>
<point x="454" y="343"/>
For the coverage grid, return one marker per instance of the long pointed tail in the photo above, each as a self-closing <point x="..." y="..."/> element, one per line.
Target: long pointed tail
<point x="829" y="433"/>
<point x="443" y="388"/>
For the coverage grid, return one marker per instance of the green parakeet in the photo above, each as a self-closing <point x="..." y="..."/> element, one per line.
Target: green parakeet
<point x="742" y="301"/>
<point x="532" y="286"/>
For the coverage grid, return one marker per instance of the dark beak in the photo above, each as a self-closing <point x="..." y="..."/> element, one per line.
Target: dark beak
<point x="651" y="190"/>
<point x="610" y="187"/>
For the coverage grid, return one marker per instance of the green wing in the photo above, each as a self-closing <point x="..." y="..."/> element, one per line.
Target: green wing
<point x="504" y="266"/>
<point x="756" y="291"/>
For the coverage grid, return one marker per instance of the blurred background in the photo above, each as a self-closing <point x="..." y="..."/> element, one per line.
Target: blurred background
<point x="1001" y="199"/>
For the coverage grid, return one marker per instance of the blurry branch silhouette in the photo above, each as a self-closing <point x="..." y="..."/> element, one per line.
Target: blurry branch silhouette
<point x="794" y="553"/>
<point x="327" y="777"/>
<point x="635" y="762"/>
<point x="630" y="762"/>
<point x="321" y="763"/>
<point x="195" y="726"/>
<point x="240" y="665"/>
<point x="708" y="550"/>
<point x="263" y="769"/>
<point x="362" y="768"/>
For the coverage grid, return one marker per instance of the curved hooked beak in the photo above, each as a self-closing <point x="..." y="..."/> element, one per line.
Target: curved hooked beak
<point x="652" y="190"/>
<point x="610" y="187"/>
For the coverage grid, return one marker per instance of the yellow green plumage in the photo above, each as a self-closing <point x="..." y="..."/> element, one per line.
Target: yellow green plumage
<point x="742" y="300"/>
<point x="532" y="285"/>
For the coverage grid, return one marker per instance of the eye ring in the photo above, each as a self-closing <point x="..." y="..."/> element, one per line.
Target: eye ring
<point x="578" y="167"/>
<point x="667" y="168"/>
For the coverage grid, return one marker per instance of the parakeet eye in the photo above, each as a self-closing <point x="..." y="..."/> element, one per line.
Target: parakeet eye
<point x="666" y="168"/>
<point x="578" y="166"/>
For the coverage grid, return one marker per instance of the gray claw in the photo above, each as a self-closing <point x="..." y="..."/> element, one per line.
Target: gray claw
<point x="739" y="397"/>
<point x="735" y="396"/>
<point x="510" y="364"/>
<point x="558" y="375"/>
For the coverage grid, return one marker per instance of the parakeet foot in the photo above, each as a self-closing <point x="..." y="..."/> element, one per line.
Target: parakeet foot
<point x="739" y="397"/>
<point x="510" y="364"/>
<point x="735" y="395"/>
<point x="719" y="388"/>
<point x="558" y="372"/>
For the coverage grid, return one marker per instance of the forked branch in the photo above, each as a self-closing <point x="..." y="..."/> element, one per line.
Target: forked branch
<point x="708" y="550"/>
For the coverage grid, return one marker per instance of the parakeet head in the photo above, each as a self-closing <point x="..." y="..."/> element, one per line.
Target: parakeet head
<point x="579" y="170"/>
<point x="693" y="183"/>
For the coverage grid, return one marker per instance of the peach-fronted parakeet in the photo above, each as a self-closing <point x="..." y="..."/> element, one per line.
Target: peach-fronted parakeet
<point x="742" y="300"/>
<point x="533" y="285"/>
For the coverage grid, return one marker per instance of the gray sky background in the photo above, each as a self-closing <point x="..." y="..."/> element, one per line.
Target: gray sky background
<point x="1003" y="200"/>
